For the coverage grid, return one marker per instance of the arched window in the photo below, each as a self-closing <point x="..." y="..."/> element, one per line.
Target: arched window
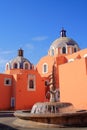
<point x="7" y="67"/>
<point x="45" y="68"/>
<point x="85" y="56"/>
<point x="31" y="84"/>
<point x="64" y="50"/>
<point x="52" y="52"/>
<point x="31" y="67"/>
<point x="15" y="66"/>
<point x="26" y="66"/>
<point x="75" y="49"/>
<point x="70" y="60"/>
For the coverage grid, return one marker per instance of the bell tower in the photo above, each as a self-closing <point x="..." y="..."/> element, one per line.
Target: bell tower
<point x="20" y="52"/>
<point x="63" y="33"/>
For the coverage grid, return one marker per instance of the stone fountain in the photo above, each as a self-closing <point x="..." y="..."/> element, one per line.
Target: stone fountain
<point x="53" y="113"/>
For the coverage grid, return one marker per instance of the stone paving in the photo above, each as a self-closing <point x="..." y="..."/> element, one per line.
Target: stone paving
<point x="7" y="119"/>
<point x="7" y="123"/>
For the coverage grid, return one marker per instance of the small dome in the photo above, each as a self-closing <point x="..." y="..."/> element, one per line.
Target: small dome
<point x="63" y="43"/>
<point x="64" y="40"/>
<point x="19" y="62"/>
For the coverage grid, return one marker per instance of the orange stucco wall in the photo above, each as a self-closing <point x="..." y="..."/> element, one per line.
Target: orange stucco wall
<point x="50" y="61"/>
<point x="25" y="98"/>
<point x="5" y="93"/>
<point x="73" y="83"/>
<point x="71" y="78"/>
<point x="74" y="55"/>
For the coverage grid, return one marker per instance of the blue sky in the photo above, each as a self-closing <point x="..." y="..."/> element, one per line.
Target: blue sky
<point x="34" y="24"/>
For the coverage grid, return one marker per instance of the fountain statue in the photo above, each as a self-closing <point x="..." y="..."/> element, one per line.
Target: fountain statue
<point x="54" y="91"/>
<point x="53" y="113"/>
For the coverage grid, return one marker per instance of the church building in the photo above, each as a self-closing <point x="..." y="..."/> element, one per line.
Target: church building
<point x="23" y="84"/>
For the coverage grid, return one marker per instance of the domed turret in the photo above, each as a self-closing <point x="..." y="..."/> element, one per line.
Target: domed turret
<point x="20" y="52"/>
<point x="63" y="45"/>
<point x="19" y="62"/>
<point x="63" y="33"/>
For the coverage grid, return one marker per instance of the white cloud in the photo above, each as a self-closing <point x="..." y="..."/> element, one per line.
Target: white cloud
<point x="6" y="52"/>
<point x="40" y="38"/>
<point x="29" y="46"/>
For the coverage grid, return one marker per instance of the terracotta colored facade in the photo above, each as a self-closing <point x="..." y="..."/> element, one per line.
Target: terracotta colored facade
<point x="24" y="84"/>
<point x="74" y="84"/>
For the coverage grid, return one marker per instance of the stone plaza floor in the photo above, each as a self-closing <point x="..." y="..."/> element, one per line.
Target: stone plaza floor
<point x="7" y="119"/>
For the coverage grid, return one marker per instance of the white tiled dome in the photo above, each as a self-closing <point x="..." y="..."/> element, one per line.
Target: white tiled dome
<point x="62" y="41"/>
<point x="19" y="62"/>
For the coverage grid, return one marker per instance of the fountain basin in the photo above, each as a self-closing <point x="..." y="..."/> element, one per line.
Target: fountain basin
<point x="64" y="115"/>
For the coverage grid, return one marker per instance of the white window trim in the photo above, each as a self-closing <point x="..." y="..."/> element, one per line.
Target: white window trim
<point x="71" y="50"/>
<point x="56" y="51"/>
<point x="10" y="81"/>
<point x="52" y="52"/>
<point x="46" y="68"/>
<point x="31" y="77"/>
<point x="62" y="50"/>
<point x="8" y="66"/>
<point x="24" y="65"/>
<point x="52" y="48"/>
<point x="85" y="56"/>
<point x="70" y="60"/>
<point x="74" y="48"/>
<point x="18" y="65"/>
<point x="66" y="49"/>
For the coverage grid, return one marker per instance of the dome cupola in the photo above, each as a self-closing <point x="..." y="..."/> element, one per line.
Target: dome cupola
<point x="19" y="62"/>
<point x="63" y="33"/>
<point x="20" y="52"/>
<point x="63" y="45"/>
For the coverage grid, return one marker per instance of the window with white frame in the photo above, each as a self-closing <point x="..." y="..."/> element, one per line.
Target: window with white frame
<point x="45" y="68"/>
<point x="15" y="66"/>
<point x="52" y="52"/>
<point x="75" y="49"/>
<point x="70" y="60"/>
<point x="85" y="56"/>
<point x="7" y="66"/>
<point x="7" y="81"/>
<point x="31" y="82"/>
<point x="26" y="65"/>
<point x="64" y="50"/>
